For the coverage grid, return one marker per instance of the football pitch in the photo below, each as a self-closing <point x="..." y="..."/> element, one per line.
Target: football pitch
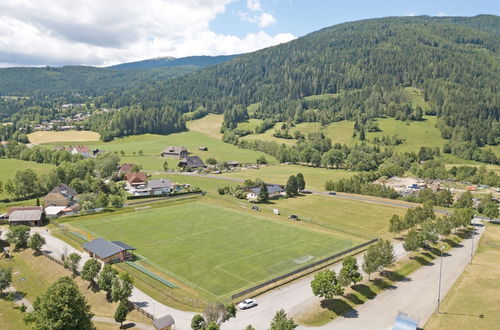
<point x="214" y="249"/>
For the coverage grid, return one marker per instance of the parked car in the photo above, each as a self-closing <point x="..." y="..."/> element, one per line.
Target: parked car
<point x="247" y="303"/>
<point x="294" y="217"/>
<point x="332" y="193"/>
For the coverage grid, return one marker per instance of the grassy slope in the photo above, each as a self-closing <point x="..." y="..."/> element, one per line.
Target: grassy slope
<point x="315" y="177"/>
<point x="221" y="250"/>
<point x="476" y="292"/>
<point x="10" y="166"/>
<point x="62" y="136"/>
<point x="209" y="125"/>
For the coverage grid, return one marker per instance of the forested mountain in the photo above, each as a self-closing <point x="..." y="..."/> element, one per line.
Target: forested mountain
<point x="453" y="60"/>
<point x="92" y="81"/>
<point x="197" y="61"/>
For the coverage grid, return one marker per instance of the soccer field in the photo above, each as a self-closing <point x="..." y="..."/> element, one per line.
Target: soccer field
<point x="217" y="250"/>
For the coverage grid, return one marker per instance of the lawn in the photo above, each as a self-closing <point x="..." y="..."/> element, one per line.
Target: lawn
<point x="33" y="275"/>
<point x="415" y="133"/>
<point x="10" y="166"/>
<point x="209" y="125"/>
<point x="215" y="249"/>
<point x="250" y="124"/>
<point x="62" y="136"/>
<point x="476" y="291"/>
<point x="315" y="177"/>
<point x="10" y="318"/>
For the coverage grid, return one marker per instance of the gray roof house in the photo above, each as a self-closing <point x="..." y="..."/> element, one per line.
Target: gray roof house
<point x="164" y="323"/>
<point x="161" y="186"/>
<point x="175" y="151"/>
<point x="108" y="252"/>
<point x="30" y="216"/>
<point x="274" y="190"/>
<point x="191" y="162"/>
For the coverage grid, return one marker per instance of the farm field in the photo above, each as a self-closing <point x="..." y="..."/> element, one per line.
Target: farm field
<point x="476" y="291"/>
<point x="152" y="145"/>
<point x="209" y="125"/>
<point x="315" y="177"/>
<point x="62" y="136"/>
<point x="10" y="166"/>
<point x="215" y="249"/>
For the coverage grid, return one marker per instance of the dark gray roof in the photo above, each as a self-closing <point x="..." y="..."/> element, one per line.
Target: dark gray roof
<point x="123" y="245"/>
<point x="192" y="162"/>
<point x="174" y="149"/>
<point x="163" y="322"/>
<point x="271" y="188"/>
<point x="103" y="248"/>
<point x="162" y="183"/>
<point x="64" y="189"/>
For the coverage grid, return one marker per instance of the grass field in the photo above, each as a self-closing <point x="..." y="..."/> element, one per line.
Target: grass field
<point x="10" y="166"/>
<point x="215" y="249"/>
<point x="476" y="291"/>
<point x="62" y="136"/>
<point x="250" y="124"/>
<point x="209" y="125"/>
<point x="279" y="173"/>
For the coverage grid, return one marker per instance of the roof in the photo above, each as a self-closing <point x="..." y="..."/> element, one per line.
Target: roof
<point x="80" y="149"/>
<point x="103" y="248"/>
<point x="54" y="210"/>
<point x="22" y="208"/>
<point x="192" y="162"/>
<point x="271" y="188"/>
<point x="163" y="322"/>
<point x="161" y="183"/>
<point x="136" y="176"/>
<point x="26" y="215"/>
<point x="64" y="189"/>
<point x="174" y="149"/>
<point x="233" y="162"/>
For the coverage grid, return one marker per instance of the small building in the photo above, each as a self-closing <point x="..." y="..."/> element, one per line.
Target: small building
<point x="54" y="211"/>
<point x="108" y="251"/>
<point x="158" y="187"/>
<point x="190" y="163"/>
<point x="136" y="179"/>
<point x="274" y="191"/>
<point x="175" y="151"/>
<point x="164" y="323"/>
<point x="61" y="195"/>
<point x="29" y="216"/>
<point x="80" y="150"/>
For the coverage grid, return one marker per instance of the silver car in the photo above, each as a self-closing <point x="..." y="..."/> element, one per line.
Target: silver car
<point x="247" y="303"/>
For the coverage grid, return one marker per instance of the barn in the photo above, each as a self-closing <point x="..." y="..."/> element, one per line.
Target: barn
<point x="109" y="252"/>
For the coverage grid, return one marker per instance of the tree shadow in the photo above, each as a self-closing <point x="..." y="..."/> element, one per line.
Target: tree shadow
<point x="394" y="276"/>
<point x="452" y="243"/>
<point x="128" y="325"/>
<point x="354" y="299"/>
<point x="364" y="290"/>
<point x="423" y="261"/>
<point x="382" y="284"/>
<point x="339" y="307"/>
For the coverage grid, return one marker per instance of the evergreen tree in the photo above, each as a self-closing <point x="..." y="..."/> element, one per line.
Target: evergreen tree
<point x="263" y="193"/>
<point x="291" y="186"/>
<point x="301" y="183"/>
<point x="281" y="321"/>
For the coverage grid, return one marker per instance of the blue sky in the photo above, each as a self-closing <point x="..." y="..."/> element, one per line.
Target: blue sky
<point x="106" y="32"/>
<point x="300" y="17"/>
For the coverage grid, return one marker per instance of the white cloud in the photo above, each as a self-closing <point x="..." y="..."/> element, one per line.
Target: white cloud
<point x="441" y="14"/>
<point x="254" y="5"/>
<point x="96" y="32"/>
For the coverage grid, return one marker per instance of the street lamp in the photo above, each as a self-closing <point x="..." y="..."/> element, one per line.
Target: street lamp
<point x="440" y="271"/>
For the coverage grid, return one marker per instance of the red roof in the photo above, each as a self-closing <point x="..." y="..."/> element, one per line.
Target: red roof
<point x="127" y="167"/>
<point x="136" y="177"/>
<point x="82" y="149"/>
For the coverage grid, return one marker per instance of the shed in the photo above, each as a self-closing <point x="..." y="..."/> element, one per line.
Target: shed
<point x="108" y="252"/>
<point x="30" y="216"/>
<point x="54" y="211"/>
<point x="164" y="323"/>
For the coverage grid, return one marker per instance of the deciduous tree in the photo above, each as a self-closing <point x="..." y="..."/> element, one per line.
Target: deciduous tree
<point x="72" y="261"/>
<point x="5" y="278"/>
<point x="19" y="236"/>
<point x="325" y="284"/>
<point x="90" y="271"/>
<point x="281" y="321"/>
<point x="35" y="242"/>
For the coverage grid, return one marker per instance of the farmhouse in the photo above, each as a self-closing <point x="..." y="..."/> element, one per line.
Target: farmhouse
<point x="76" y="150"/>
<point x="191" y="162"/>
<point x="29" y="216"/>
<point x="161" y="186"/>
<point x="61" y="195"/>
<point x="136" y="179"/>
<point x="108" y="252"/>
<point x="274" y="191"/>
<point x="164" y="323"/>
<point x="175" y="151"/>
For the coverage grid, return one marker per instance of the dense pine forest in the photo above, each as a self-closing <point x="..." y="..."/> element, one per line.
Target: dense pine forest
<point x="363" y="65"/>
